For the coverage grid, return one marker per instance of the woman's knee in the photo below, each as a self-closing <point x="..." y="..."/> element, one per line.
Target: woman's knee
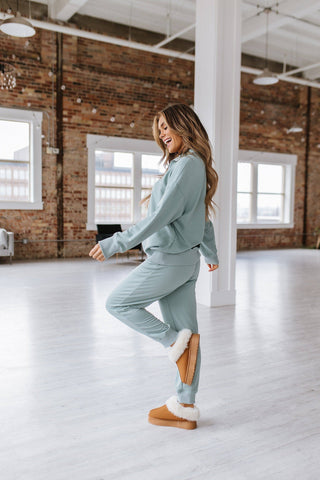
<point x="115" y="305"/>
<point x="111" y="305"/>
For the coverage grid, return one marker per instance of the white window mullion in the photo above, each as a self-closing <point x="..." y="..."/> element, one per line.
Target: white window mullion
<point x="289" y="187"/>
<point x="283" y="197"/>
<point x="91" y="225"/>
<point x="31" y="165"/>
<point x="136" y="187"/>
<point x="254" y="196"/>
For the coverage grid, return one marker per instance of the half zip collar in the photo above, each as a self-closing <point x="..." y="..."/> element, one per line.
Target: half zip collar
<point x="181" y="154"/>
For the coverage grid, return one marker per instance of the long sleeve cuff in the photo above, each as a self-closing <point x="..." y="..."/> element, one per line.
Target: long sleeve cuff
<point x="109" y="247"/>
<point x="213" y="260"/>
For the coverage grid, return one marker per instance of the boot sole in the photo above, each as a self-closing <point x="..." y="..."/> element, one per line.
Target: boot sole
<point x="192" y="358"/>
<point x="185" y="424"/>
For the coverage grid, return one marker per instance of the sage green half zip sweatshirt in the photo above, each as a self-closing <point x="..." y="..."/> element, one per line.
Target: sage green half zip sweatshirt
<point x="175" y="224"/>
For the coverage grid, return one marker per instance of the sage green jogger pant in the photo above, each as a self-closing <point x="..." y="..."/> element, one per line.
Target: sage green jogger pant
<point x="173" y="286"/>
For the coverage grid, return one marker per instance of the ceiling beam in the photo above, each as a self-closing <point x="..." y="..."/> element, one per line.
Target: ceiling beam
<point x="311" y="76"/>
<point x="301" y="69"/>
<point x="55" y="27"/>
<point x="64" y="9"/>
<point x="176" y="35"/>
<point x="256" y="26"/>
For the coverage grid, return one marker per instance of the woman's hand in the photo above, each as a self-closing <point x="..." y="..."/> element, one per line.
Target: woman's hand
<point x="96" y="253"/>
<point x="212" y="267"/>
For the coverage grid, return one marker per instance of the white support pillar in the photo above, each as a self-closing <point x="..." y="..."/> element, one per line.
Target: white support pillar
<point x="217" y="102"/>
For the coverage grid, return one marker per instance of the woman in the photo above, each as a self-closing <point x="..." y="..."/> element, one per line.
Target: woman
<point x="174" y="233"/>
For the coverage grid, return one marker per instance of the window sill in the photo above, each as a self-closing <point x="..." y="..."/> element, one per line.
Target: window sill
<point x="21" y="205"/>
<point x="256" y="226"/>
<point x="91" y="227"/>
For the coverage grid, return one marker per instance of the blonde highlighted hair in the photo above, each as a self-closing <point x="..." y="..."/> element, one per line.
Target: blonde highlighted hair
<point x="183" y="121"/>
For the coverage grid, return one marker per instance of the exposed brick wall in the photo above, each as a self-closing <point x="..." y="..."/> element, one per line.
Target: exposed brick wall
<point x="33" y="60"/>
<point x="128" y="84"/>
<point x="132" y="85"/>
<point x="265" y="115"/>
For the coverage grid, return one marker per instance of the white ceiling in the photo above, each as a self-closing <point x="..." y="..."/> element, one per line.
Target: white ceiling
<point x="294" y="32"/>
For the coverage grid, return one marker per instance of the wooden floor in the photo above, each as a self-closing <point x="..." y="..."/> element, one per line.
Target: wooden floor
<point x="76" y="385"/>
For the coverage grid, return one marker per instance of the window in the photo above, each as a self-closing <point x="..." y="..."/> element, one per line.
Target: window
<point x="150" y="172"/>
<point x="113" y="186"/>
<point x="20" y="159"/>
<point x="265" y="191"/>
<point x="121" y="172"/>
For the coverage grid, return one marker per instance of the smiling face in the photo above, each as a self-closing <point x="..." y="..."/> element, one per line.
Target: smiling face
<point x="172" y="141"/>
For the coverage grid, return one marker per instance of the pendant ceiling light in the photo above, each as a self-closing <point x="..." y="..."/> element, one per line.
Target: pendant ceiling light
<point x="266" y="77"/>
<point x="18" y="26"/>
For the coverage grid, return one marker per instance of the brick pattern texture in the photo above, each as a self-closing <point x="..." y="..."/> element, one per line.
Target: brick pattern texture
<point x="132" y="85"/>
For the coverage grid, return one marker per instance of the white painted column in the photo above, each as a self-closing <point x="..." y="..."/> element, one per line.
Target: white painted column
<point x="217" y="102"/>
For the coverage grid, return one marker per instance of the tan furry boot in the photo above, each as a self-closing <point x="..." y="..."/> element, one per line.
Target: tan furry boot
<point x="184" y="353"/>
<point x="174" y="414"/>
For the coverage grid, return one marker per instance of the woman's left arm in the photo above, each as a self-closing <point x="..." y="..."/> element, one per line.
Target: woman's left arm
<point x="208" y="247"/>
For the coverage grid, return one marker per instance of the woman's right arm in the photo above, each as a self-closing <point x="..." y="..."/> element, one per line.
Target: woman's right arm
<point x="170" y="207"/>
<point x="208" y="246"/>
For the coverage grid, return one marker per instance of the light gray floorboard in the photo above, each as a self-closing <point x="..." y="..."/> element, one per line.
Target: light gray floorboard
<point x="76" y="384"/>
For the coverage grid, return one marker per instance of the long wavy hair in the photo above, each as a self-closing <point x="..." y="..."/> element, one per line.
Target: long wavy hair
<point x="183" y="121"/>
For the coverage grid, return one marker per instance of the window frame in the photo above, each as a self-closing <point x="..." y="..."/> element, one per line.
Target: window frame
<point x="117" y="144"/>
<point x="34" y="118"/>
<point x="289" y="162"/>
